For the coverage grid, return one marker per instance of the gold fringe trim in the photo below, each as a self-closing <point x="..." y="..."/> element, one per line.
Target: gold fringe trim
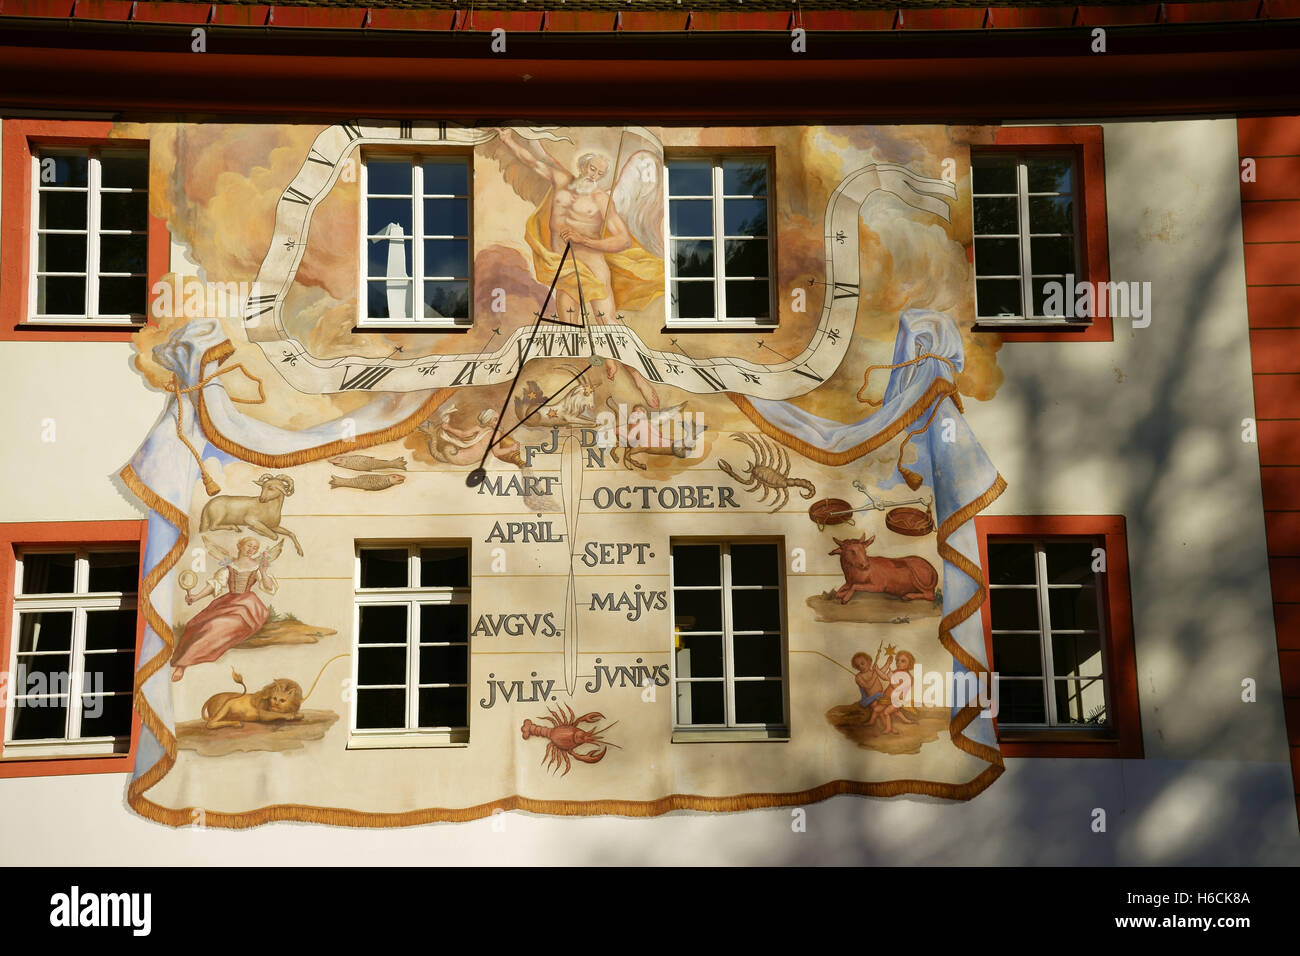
<point x="939" y="388"/>
<point x="220" y="352"/>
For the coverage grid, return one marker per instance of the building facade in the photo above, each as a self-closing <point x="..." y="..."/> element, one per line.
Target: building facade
<point x="758" y="482"/>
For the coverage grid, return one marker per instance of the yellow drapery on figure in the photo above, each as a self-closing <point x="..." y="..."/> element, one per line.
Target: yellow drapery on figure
<point x="637" y="274"/>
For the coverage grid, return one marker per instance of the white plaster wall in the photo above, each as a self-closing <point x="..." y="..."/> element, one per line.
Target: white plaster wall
<point x="1147" y="426"/>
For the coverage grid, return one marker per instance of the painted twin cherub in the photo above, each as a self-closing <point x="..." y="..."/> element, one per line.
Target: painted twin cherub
<point x="885" y="688"/>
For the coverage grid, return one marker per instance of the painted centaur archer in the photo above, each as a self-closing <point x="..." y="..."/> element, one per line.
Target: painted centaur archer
<point x="911" y="578"/>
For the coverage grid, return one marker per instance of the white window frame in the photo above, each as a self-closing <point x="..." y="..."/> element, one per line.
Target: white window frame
<point x="720" y="320"/>
<point x="417" y="238"/>
<point x="730" y="730"/>
<point x="1045" y="631"/>
<point x="1021" y="158"/>
<point x="79" y="601"/>
<point x="412" y="735"/>
<point x="94" y="190"/>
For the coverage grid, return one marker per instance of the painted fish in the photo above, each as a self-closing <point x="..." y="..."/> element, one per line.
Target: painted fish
<point x="367" y="482"/>
<point x="366" y="463"/>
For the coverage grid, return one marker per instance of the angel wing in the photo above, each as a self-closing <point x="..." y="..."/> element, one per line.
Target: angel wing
<point x="274" y="550"/>
<point x="526" y="183"/>
<point x="217" y="551"/>
<point x="638" y="197"/>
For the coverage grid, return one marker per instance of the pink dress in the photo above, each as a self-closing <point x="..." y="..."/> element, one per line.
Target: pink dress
<point x="234" y="615"/>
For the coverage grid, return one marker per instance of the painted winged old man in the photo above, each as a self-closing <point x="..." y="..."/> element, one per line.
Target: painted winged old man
<point x="616" y="235"/>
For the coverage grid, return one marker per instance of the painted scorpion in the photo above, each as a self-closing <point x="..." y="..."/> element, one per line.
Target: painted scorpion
<point x="564" y="737"/>
<point x="770" y="471"/>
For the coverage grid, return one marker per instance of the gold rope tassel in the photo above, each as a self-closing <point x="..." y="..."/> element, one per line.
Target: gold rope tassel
<point x="866" y="375"/>
<point x="210" y="486"/>
<point x="912" y="478"/>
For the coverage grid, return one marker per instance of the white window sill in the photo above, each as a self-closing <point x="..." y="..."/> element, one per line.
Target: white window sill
<point x="83" y="321"/>
<point x="380" y="325"/>
<point x="721" y="325"/>
<point x="409" y="740"/>
<point x="718" y="735"/>
<point x="66" y="750"/>
<point x="1019" y="322"/>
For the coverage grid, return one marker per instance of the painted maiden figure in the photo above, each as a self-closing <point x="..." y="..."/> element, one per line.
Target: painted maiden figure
<point x="235" y="614"/>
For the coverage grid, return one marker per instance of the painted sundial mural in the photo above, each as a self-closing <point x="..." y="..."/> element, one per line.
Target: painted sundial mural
<point x="462" y="498"/>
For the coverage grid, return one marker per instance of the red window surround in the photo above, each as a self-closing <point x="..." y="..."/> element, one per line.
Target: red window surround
<point x="1121" y="663"/>
<point x="1086" y="143"/>
<point x="21" y="137"/>
<point x="17" y="535"/>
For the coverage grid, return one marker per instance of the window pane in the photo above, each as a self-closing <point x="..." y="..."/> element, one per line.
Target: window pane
<point x="997" y="257"/>
<point x="1051" y="288"/>
<point x="446" y="300"/>
<point x="748" y="300"/>
<point x="110" y="630"/>
<point x="447" y="258"/>
<point x="106" y="673"/>
<point x="57" y="252"/>
<point x="693" y="257"/>
<point x="383" y="624"/>
<point x="385" y="256"/>
<point x="989" y="177"/>
<point x="691" y="217"/>
<point x="123" y="170"/>
<point x="124" y="210"/>
<point x="60" y="295"/>
<point x="1021" y="702"/>
<point x="755" y="564"/>
<point x="1080" y="701"/>
<point x="114" y="571"/>
<point x="443" y="622"/>
<point x="388" y="299"/>
<point x="1018" y="655"/>
<point x="48" y="573"/>
<point x="444" y="568"/>
<point x="391" y="176"/>
<point x="697" y="564"/>
<point x="998" y="296"/>
<point x="446" y="217"/>
<point x="45" y="631"/>
<point x="759" y="702"/>
<point x="1077" y="655"/>
<point x="758" y="655"/>
<point x="381" y="213"/>
<point x="697" y="610"/>
<point x="385" y="567"/>
<point x="756" y="610"/>
<point x="1048" y="214"/>
<point x="690" y="177"/>
<point x="744" y="177"/>
<point x="120" y="296"/>
<point x="446" y="178"/>
<point x="444" y="665"/>
<point x="381" y="665"/>
<point x="746" y="257"/>
<point x="40" y="718"/>
<point x="1070" y="562"/>
<point x="44" y="673"/>
<point x="1073" y="608"/>
<point x="693" y="300"/>
<point x="744" y="217"/>
<point x="699" y="657"/>
<point x="63" y="170"/>
<point x="106" y="716"/>
<point x="381" y="708"/>
<point x="1011" y="562"/>
<point x="443" y="707"/>
<point x="996" y="216"/>
<point x="63" y="210"/>
<point x="123" y="253"/>
<point x="701" y="702"/>
<point x="1052" y="255"/>
<point x="1050" y="176"/>
<point x="1014" y="610"/>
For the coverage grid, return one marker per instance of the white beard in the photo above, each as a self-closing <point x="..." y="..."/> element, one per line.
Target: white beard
<point x="584" y="187"/>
